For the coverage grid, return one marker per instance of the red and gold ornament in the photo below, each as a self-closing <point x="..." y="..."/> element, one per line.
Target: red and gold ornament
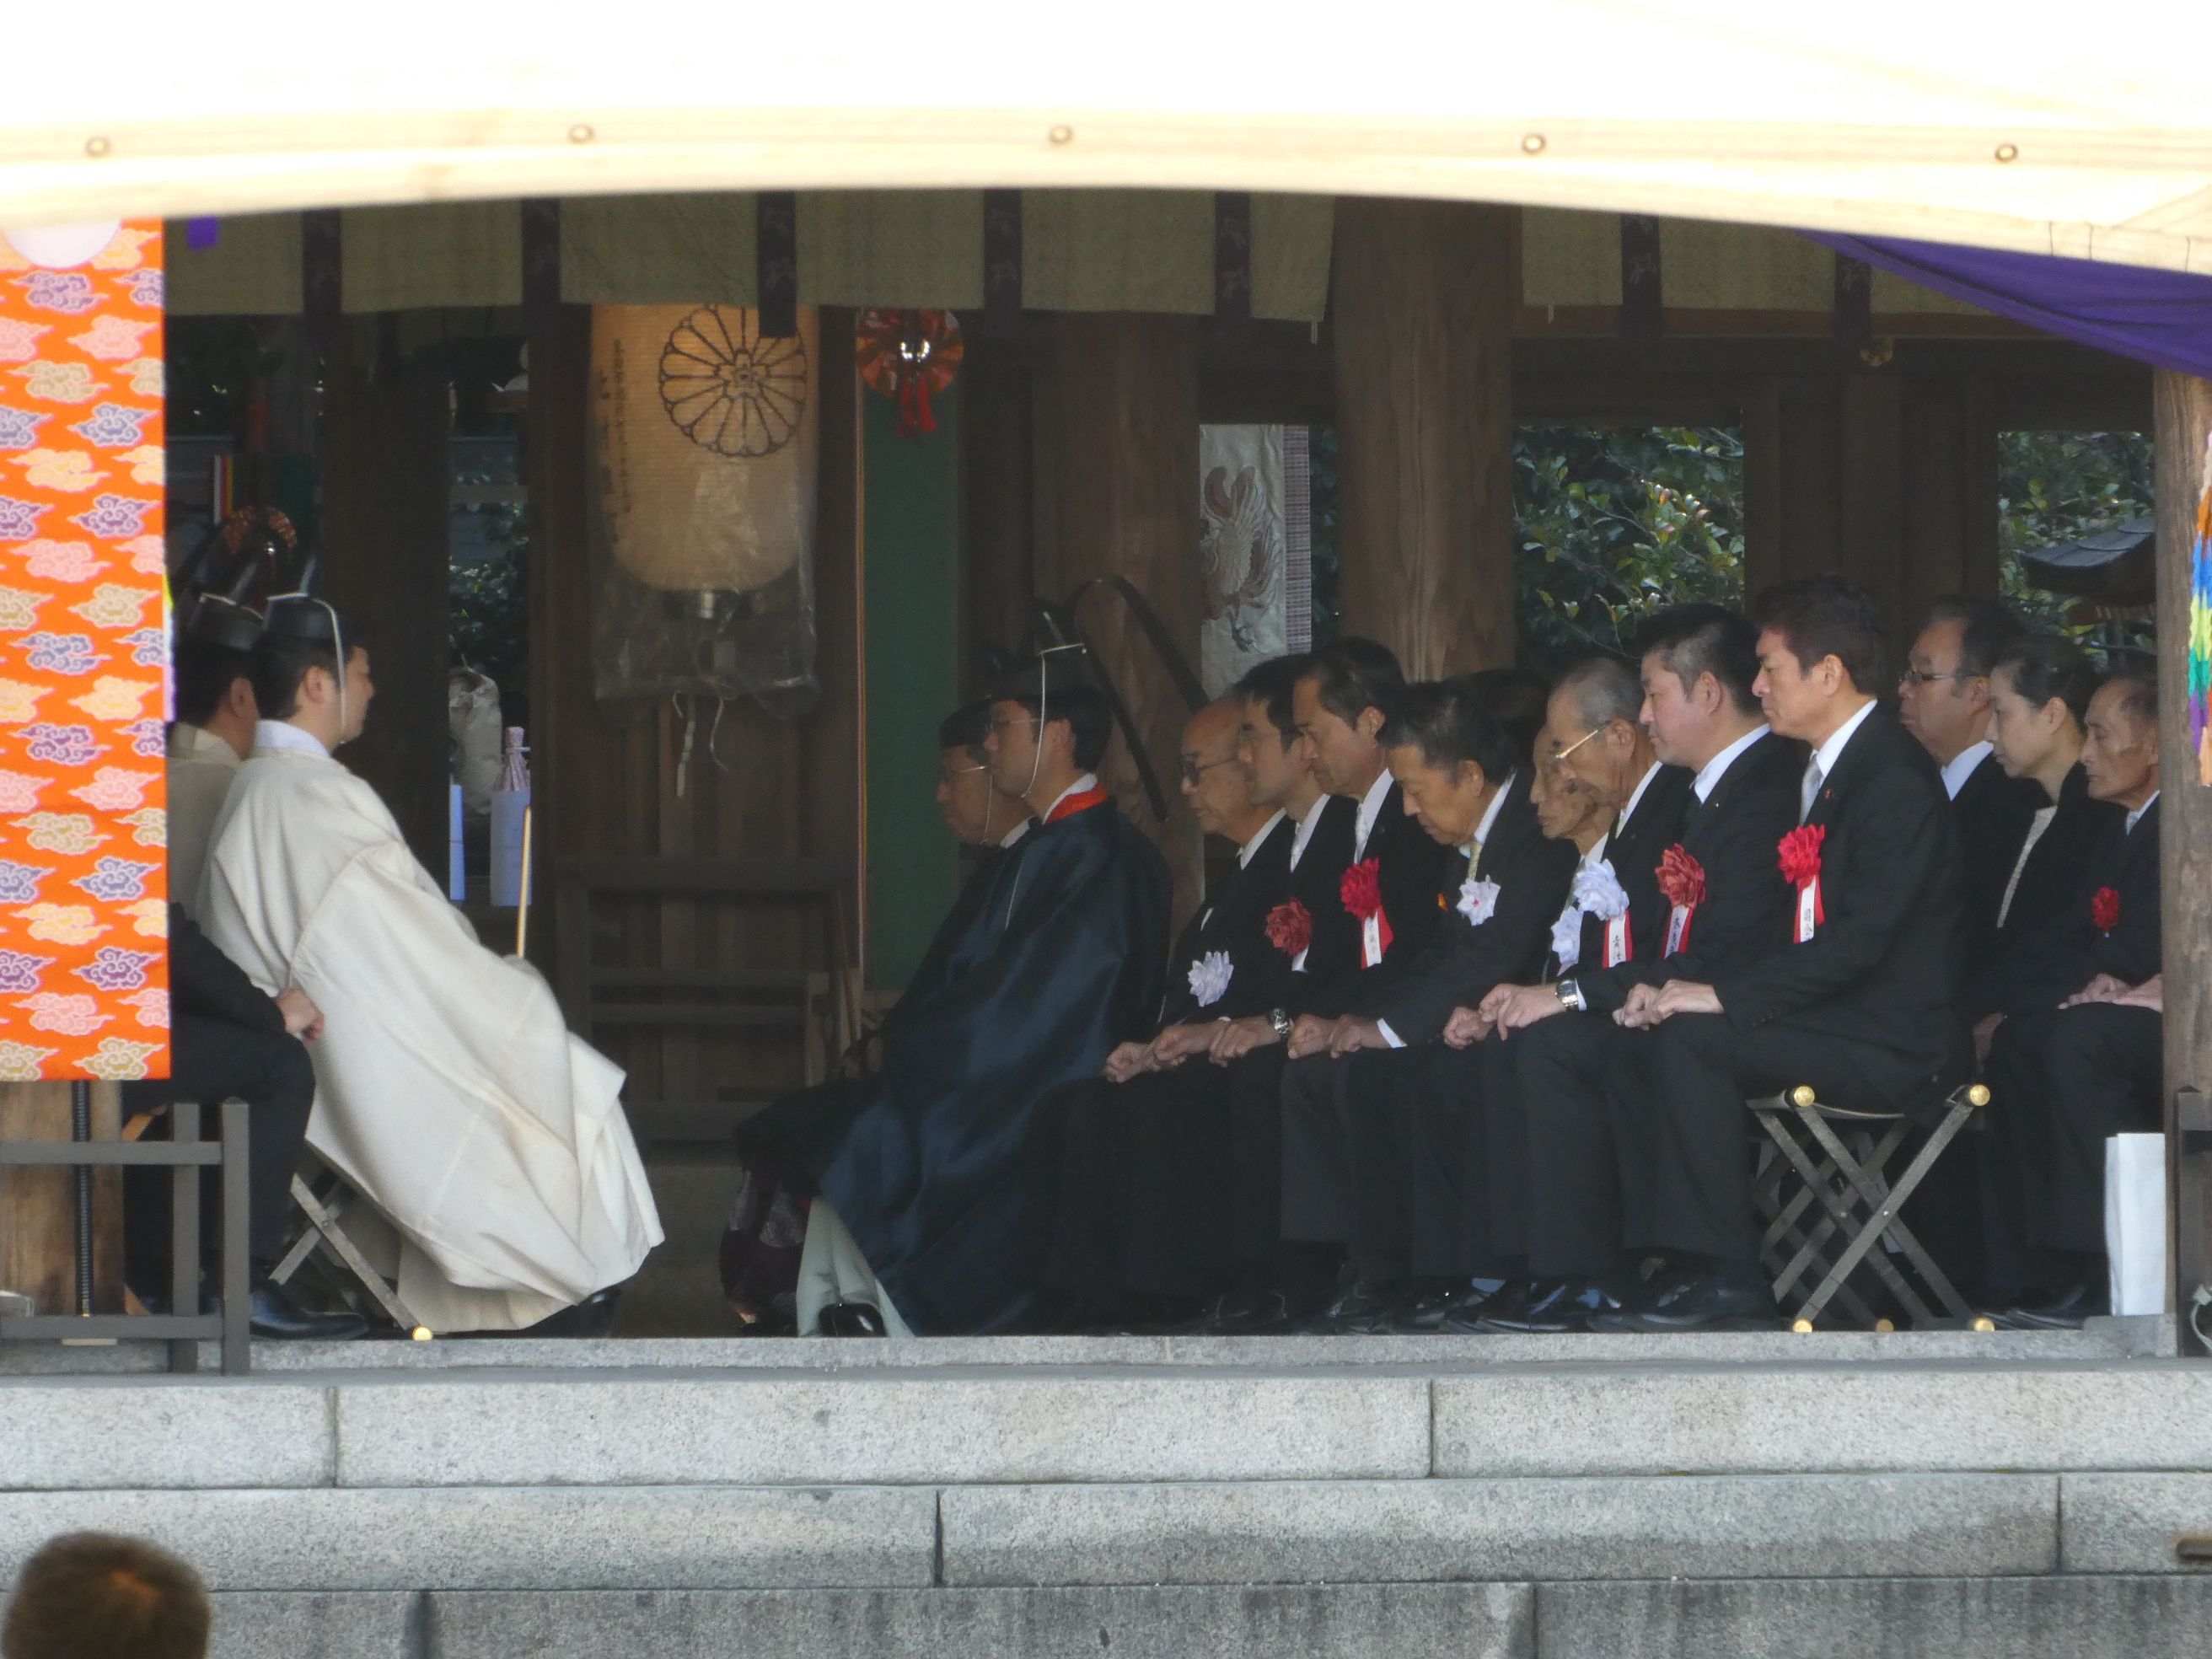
<point x="909" y="356"/>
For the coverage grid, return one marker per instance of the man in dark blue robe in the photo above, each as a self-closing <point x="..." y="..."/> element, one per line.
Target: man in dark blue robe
<point x="925" y="1166"/>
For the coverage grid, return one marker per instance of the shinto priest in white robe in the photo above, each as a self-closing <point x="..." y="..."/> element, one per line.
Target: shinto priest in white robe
<point x="449" y="1092"/>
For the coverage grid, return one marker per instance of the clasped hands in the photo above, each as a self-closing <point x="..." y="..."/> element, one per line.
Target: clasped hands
<point x="1510" y="1008"/>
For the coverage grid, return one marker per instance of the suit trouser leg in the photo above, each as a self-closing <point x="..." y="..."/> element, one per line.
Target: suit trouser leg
<point x="1705" y="1069"/>
<point x="1441" y="1102"/>
<point x="2008" y="1153"/>
<point x="1318" y="1133"/>
<point x="212" y="1060"/>
<point x="1569" y="1108"/>
<point x="1379" y="1091"/>
<point x="1175" y="1229"/>
<point x="1081" y="1167"/>
<point x="2104" y="1077"/>
<point x="1255" y="1127"/>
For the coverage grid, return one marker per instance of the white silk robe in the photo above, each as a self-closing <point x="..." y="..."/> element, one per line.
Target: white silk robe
<point x="202" y="768"/>
<point x="449" y="1091"/>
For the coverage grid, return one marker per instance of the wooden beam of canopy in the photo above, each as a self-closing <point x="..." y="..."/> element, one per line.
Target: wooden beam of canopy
<point x="2040" y="135"/>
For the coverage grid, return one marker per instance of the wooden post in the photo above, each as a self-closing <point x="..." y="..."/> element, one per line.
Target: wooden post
<point x="387" y="489"/>
<point x="1118" y="414"/>
<point x="37" y="1207"/>
<point x="998" y="563"/>
<point x="2183" y="408"/>
<point x="1425" y="295"/>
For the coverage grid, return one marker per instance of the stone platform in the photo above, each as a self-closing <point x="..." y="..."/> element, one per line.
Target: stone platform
<point x="1529" y="1499"/>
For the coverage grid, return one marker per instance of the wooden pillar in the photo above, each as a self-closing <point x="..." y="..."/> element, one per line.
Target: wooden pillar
<point x="1425" y="294"/>
<point x="2184" y="414"/>
<point x="387" y="489"/>
<point x="37" y="1207"/>
<point x="1117" y="422"/>
<point x="998" y="509"/>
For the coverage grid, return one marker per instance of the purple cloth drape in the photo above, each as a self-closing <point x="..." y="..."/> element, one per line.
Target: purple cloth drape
<point x="2163" y="318"/>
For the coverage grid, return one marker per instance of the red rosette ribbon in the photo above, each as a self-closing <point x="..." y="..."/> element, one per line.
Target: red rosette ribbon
<point x="1362" y="889"/>
<point x="1681" y="879"/>
<point x="1290" y="927"/>
<point x="1800" y="858"/>
<point x="2104" y="909"/>
<point x="1799" y="852"/>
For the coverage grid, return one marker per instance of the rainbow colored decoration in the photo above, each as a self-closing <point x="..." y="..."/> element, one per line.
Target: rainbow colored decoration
<point x="84" y="668"/>
<point x="2200" y="629"/>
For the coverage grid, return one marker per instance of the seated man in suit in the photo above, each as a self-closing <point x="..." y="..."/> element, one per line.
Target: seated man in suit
<point x="1854" y="998"/>
<point x="230" y="1040"/>
<point x="1100" y="1248"/>
<point x="1943" y="700"/>
<point x="2062" y="1081"/>
<point x="1344" y="1115"/>
<point x="1394" y="884"/>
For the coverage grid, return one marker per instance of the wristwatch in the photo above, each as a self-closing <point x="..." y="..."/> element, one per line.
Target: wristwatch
<point x="1281" y="1021"/>
<point x="1571" y="994"/>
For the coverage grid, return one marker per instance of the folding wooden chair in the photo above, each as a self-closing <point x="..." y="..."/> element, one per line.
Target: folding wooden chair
<point x="1861" y="1204"/>
<point x="322" y="1228"/>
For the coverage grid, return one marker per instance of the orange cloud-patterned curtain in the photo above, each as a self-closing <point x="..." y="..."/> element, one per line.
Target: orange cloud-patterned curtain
<point x="83" y="666"/>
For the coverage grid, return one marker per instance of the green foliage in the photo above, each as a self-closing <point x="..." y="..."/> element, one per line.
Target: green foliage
<point x="1617" y="523"/>
<point x="2056" y="487"/>
<point x="486" y="623"/>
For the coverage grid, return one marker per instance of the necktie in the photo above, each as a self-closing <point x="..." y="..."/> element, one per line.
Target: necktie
<point x="1812" y="776"/>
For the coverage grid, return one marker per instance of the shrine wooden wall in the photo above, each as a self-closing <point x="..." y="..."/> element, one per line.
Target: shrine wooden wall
<point x="605" y="772"/>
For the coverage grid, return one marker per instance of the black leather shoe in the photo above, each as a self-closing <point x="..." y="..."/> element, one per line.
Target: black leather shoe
<point x="1707" y="1301"/>
<point x="272" y="1313"/>
<point x="2065" y="1312"/>
<point x="1361" y="1309"/>
<point x="1560" y="1307"/>
<point x="1461" y="1301"/>
<point x="1511" y="1298"/>
<point x="850" y="1319"/>
<point x="1264" y="1313"/>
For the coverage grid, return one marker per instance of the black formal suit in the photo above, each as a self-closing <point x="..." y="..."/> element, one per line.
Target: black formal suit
<point x="227" y="1040"/>
<point x="2060" y="1081"/>
<point x="1590" y="1136"/>
<point x="2050" y="885"/>
<point x="1863" y="1011"/>
<point x="1993" y="813"/>
<point x="1234" y="922"/>
<point x="1412" y="869"/>
<point x="2069" y="949"/>
<point x="1141" y="1167"/>
<point x="1419" y="879"/>
<point x="1348" y="1123"/>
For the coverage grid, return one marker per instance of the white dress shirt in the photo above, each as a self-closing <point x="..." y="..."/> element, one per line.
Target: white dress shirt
<point x="2135" y="817"/>
<point x="1635" y="798"/>
<point x="1246" y="852"/>
<point x="1371" y="808"/>
<point x="1305" y="830"/>
<point x="1961" y="766"/>
<point x="1711" y="773"/>
<point x="1825" y="756"/>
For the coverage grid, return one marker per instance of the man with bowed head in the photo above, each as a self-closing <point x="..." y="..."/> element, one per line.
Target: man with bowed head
<point x="1853" y="996"/>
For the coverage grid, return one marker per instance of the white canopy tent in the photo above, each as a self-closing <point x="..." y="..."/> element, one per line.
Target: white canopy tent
<point x="2031" y="127"/>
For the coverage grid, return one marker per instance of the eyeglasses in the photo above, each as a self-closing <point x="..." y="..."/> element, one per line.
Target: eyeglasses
<point x="946" y="774"/>
<point x="1915" y="677"/>
<point x="999" y="725"/>
<point x="1193" y="771"/>
<point x="1576" y="744"/>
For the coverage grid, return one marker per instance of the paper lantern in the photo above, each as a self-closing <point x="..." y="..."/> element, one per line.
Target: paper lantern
<point x="704" y="435"/>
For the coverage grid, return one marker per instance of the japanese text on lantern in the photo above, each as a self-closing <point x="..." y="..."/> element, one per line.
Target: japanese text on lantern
<point x="83" y="658"/>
